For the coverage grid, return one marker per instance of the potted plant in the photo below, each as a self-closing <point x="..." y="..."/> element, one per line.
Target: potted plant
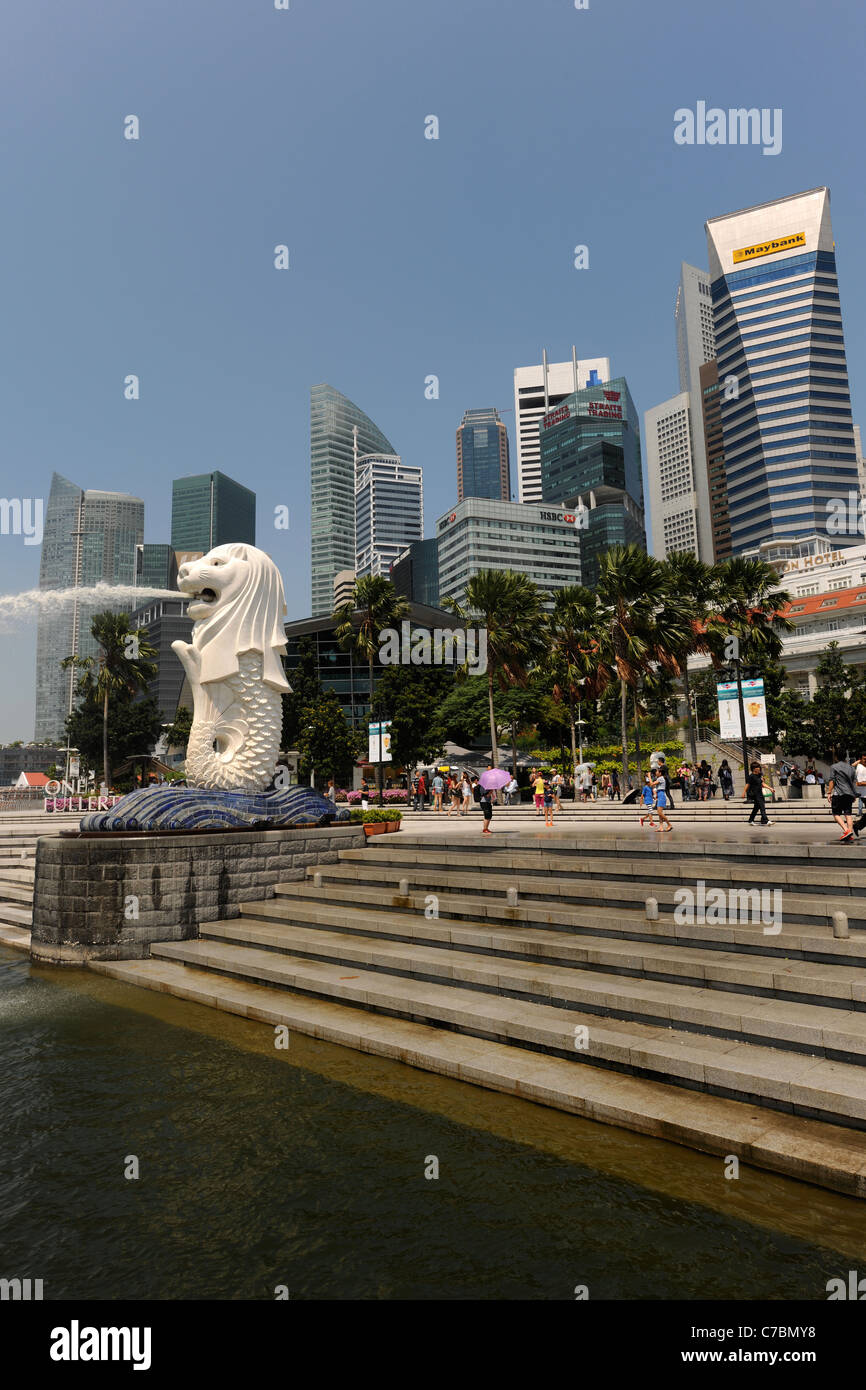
<point x="378" y="820"/>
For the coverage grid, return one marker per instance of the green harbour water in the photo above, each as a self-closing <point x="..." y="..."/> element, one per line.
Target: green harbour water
<point x="306" y="1169"/>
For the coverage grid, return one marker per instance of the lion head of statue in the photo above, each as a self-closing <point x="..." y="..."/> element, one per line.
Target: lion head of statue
<point x="237" y="602"/>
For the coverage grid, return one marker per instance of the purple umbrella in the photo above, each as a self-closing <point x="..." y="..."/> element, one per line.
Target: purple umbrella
<point x="494" y="778"/>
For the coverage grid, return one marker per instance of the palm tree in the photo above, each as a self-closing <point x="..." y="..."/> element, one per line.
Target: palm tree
<point x="124" y="665"/>
<point x="572" y="658"/>
<point x="509" y="606"/>
<point x="747" y="625"/>
<point x="374" y="606"/>
<point x="637" y="627"/>
<point x="693" y="590"/>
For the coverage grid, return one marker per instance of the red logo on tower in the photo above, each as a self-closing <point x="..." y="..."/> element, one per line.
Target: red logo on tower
<point x="611" y="395"/>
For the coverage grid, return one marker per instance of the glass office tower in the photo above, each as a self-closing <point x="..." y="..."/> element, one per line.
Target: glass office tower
<point x="155" y="567"/>
<point x="89" y="538"/>
<point x="333" y="419"/>
<point x="415" y="574"/>
<point x="785" y="406"/>
<point x="483" y="468"/>
<point x="590" y="458"/>
<point x="209" y="509"/>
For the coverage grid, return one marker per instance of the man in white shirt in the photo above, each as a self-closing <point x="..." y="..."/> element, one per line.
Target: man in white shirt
<point x="860" y="781"/>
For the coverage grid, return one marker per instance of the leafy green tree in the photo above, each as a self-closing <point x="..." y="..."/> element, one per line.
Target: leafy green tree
<point x="374" y="606"/>
<point x="327" y="745"/>
<point x="306" y="688"/>
<point x="133" y="728"/>
<point x="122" y="667"/>
<point x="411" y="696"/>
<point x="830" y="709"/>
<point x="177" y="734"/>
<point x="509" y="607"/>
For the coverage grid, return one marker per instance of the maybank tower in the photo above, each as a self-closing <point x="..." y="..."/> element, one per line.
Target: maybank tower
<point x="790" y="457"/>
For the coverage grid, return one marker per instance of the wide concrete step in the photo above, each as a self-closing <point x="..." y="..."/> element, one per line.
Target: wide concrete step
<point x="784" y="1143"/>
<point x="15" y="892"/>
<point x="543" y="875"/>
<point x="804" y="1084"/>
<point x="831" y="1027"/>
<point x="688" y="960"/>
<point x="793" y="872"/>
<point x="14" y="916"/>
<point x="608" y="909"/>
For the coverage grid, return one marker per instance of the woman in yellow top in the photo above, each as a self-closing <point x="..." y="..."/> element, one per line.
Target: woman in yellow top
<point x="538" y="788"/>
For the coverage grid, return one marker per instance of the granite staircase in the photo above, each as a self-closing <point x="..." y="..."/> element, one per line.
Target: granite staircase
<point x="536" y="967"/>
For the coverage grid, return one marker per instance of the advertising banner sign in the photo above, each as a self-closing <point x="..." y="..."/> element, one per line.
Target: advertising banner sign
<point x="380" y="733"/>
<point x="754" y="704"/>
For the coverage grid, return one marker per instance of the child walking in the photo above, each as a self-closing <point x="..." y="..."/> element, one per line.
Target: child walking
<point x="548" y="804"/>
<point x="648" y="799"/>
<point x="661" y="797"/>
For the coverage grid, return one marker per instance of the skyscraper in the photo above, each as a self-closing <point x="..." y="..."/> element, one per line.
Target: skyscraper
<point x="693" y="320"/>
<point x="590" y="459"/>
<point x="156" y="567"/>
<point x="209" y="509"/>
<point x="482" y="456"/>
<point x="720" y="520"/>
<point x="415" y="574"/>
<point x="537" y="390"/>
<point x="90" y="537"/>
<point x="389" y="511"/>
<point x="332" y="481"/>
<point x="671" y="468"/>
<point x="785" y="405"/>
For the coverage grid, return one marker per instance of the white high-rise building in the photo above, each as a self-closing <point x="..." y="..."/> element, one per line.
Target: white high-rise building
<point x="389" y="511"/>
<point x="536" y="391"/>
<point x="696" y="345"/>
<point x="673" y="498"/>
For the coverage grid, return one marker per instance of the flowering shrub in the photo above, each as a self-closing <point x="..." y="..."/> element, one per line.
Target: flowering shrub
<point x="396" y="795"/>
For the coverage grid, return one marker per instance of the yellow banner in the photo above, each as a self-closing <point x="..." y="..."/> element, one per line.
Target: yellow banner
<point x="769" y="248"/>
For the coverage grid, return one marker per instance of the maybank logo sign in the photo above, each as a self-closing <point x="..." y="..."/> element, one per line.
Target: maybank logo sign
<point x="769" y="248"/>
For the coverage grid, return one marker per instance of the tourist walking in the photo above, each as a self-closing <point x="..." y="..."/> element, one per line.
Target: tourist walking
<point x="485" y="801"/>
<point x="331" y="793"/>
<point x="438" y="788"/>
<point x="548" y="804"/>
<point x="860" y="778"/>
<point x="726" y="780"/>
<point x="556" y="787"/>
<point x="754" y="791"/>
<point x="538" y="792"/>
<point x="453" y="794"/>
<point x="659" y="784"/>
<point x="614" y="786"/>
<point x="466" y="795"/>
<point x="842" y="790"/>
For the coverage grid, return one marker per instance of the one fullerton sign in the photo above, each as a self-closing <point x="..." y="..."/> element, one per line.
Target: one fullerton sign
<point x="769" y="248"/>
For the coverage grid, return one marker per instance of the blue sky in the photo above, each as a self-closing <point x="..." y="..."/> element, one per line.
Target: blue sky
<point x="408" y="256"/>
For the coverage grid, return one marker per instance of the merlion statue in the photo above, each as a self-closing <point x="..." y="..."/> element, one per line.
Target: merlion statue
<point x="233" y="665"/>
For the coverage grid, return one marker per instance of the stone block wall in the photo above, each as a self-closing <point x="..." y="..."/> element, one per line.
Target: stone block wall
<point x="109" y="897"/>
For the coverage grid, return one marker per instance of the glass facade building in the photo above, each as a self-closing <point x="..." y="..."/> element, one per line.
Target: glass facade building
<point x="333" y="449"/>
<point x="720" y="520"/>
<point x="90" y="537"/>
<point x="165" y="621"/>
<point x="209" y="509"/>
<point x="785" y="405"/>
<point x="483" y="468"/>
<point x="389" y="511"/>
<point x="155" y="567"/>
<point x="591" y="459"/>
<point x="415" y="574"/>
